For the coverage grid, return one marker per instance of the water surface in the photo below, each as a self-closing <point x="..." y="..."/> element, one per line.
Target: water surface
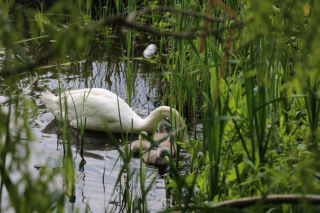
<point x="95" y="180"/>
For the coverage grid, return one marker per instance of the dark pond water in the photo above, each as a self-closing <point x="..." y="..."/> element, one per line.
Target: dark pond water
<point x="95" y="182"/>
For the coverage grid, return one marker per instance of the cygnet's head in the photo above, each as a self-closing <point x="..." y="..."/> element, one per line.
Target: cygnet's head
<point x="156" y="157"/>
<point x="143" y="135"/>
<point x="163" y="153"/>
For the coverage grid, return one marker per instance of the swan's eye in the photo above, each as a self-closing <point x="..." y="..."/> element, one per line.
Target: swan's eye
<point x="164" y="126"/>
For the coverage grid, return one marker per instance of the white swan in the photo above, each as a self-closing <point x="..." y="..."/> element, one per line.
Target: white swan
<point x="100" y="108"/>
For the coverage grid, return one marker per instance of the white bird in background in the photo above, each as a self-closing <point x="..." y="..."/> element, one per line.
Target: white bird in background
<point x="150" y="51"/>
<point x="101" y="109"/>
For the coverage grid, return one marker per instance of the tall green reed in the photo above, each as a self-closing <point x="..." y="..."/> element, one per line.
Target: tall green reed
<point x="261" y="70"/>
<point x="20" y="189"/>
<point x="68" y="164"/>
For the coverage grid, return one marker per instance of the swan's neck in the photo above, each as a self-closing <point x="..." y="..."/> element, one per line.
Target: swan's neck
<point x="149" y="123"/>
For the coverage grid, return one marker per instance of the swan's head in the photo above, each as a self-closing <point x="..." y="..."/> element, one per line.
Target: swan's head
<point x="163" y="126"/>
<point x="164" y="112"/>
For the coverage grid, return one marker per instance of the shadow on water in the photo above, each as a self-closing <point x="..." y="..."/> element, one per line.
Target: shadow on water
<point x="96" y="178"/>
<point x="93" y="140"/>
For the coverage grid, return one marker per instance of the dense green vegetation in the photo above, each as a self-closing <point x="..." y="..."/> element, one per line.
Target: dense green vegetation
<point x="249" y="80"/>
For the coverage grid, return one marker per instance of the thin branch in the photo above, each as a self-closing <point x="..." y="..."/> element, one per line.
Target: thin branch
<point x="270" y="199"/>
<point x="205" y="28"/>
<point x="128" y="21"/>
<point x="28" y="66"/>
<point x="224" y="7"/>
<point x="246" y="43"/>
<point x="123" y="21"/>
<point x="223" y="65"/>
<point x="135" y="14"/>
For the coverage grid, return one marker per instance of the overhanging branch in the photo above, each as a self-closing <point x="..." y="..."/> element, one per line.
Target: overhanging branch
<point x="270" y="199"/>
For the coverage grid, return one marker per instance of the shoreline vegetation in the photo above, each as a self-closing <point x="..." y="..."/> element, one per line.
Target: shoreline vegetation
<point x="243" y="74"/>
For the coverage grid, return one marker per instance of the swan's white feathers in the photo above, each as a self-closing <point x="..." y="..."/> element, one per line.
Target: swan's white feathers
<point x="51" y="101"/>
<point x="97" y="107"/>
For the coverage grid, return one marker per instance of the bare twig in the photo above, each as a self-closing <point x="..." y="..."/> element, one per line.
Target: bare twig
<point x="270" y="199"/>
<point x="246" y="44"/>
<point x="132" y="15"/>
<point x="121" y="20"/>
<point x="205" y="28"/>
<point x="28" y="66"/>
<point x="227" y="48"/>
<point x="224" y="7"/>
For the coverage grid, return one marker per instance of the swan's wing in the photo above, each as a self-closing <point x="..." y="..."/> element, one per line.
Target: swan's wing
<point x="100" y="108"/>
